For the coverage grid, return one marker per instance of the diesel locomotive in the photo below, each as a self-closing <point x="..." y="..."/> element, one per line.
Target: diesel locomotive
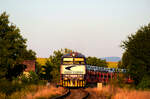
<point x="73" y="70"/>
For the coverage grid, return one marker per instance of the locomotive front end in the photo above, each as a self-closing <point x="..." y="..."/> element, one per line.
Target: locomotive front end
<point x="73" y="70"/>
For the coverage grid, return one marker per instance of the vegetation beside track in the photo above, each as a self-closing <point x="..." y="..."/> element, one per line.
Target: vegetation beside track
<point x="111" y="92"/>
<point x="35" y="92"/>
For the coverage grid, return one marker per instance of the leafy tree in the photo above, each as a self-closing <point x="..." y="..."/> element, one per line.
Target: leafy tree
<point x="29" y="55"/>
<point x="29" y="78"/>
<point x="13" y="49"/>
<point x="125" y="60"/>
<point x="54" y="63"/>
<point x="96" y="61"/>
<point x="119" y="64"/>
<point x="137" y="55"/>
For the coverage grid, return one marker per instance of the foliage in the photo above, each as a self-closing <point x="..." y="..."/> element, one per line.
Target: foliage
<point x="45" y="72"/>
<point x="54" y="63"/>
<point x="119" y="65"/>
<point x="8" y="87"/>
<point x="145" y="83"/>
<point x="13" y="49"/>
<point x="125" y="60"/>
<point x="29" y="78"/>
<point x="137" y="55"/>
<point x="21" y="91"/>
<point x="17" y="70"/>
<point x="96" y="61"/>
<point x="29" y="55"/>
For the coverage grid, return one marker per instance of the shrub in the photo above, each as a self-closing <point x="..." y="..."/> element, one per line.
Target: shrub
<point x="8" y="87"/>
<point x="145" y="83"/>
<point x="29" y="78"/>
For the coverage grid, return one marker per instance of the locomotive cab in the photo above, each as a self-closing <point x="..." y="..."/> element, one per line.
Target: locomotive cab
<point x="73" y="70"/>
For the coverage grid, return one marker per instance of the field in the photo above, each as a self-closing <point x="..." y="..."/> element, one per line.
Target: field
<point x="112" y="64"/>
<point x="41" y="61"/>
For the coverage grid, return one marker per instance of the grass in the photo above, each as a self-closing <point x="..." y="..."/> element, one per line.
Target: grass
<point x="35" y="92"/>
<point x="131" y="94"/>
<point x="45" y="92"/>
<point x="110" y="92"/>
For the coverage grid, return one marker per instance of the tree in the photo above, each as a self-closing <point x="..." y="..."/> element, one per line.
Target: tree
<point x="96" y="61"/>
<point x="120" y="64"/>
<point x="137" y="55"/>
<point x="54" y="63"/>
<point x="125" y="60"/>
<point x="13" y="49"/>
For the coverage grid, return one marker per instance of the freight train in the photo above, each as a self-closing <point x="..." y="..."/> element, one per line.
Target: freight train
<point x="74" y="72"/>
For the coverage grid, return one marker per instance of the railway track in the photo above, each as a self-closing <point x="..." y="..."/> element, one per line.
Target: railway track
<point x="86" y="94"/>
<point x="79" y="93"/>
<point x="67" y="93"/>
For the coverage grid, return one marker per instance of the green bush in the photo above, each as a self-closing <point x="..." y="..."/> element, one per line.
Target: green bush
<point x="30" y="78"/>
<point x="145" y="83"/>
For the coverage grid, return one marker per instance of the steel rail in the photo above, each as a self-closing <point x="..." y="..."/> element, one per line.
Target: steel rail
<point x="67" y="93"/>
<point x="87" y="94"/>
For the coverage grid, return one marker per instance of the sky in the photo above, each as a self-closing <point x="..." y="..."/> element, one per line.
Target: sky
<point x="91" y="27"/>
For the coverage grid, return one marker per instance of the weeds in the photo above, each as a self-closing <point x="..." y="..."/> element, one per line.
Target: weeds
<point x="114" y="92"/>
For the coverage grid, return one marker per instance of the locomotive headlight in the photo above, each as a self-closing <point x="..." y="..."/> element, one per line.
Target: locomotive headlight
<point x="73" y="54"/>
<point x="80" y="77"/>
<point x="65" y="78"/>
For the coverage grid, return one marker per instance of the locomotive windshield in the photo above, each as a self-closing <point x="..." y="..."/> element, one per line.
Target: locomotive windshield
<point x="67" y="61"/>
<point x="77" y="61"/>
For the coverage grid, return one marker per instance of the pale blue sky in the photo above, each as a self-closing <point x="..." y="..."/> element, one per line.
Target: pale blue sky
<point x="92" y="27"/>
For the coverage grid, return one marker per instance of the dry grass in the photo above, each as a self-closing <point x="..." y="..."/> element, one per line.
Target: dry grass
<point x="109" y="92"/>
<point x="45" y="92"/>
<point x="35" y="92"/>
<point x="131" y="94"/>
<point x="100" y="94"/>
<point x="2" y="96"/>
<point x="20" y="94"/>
